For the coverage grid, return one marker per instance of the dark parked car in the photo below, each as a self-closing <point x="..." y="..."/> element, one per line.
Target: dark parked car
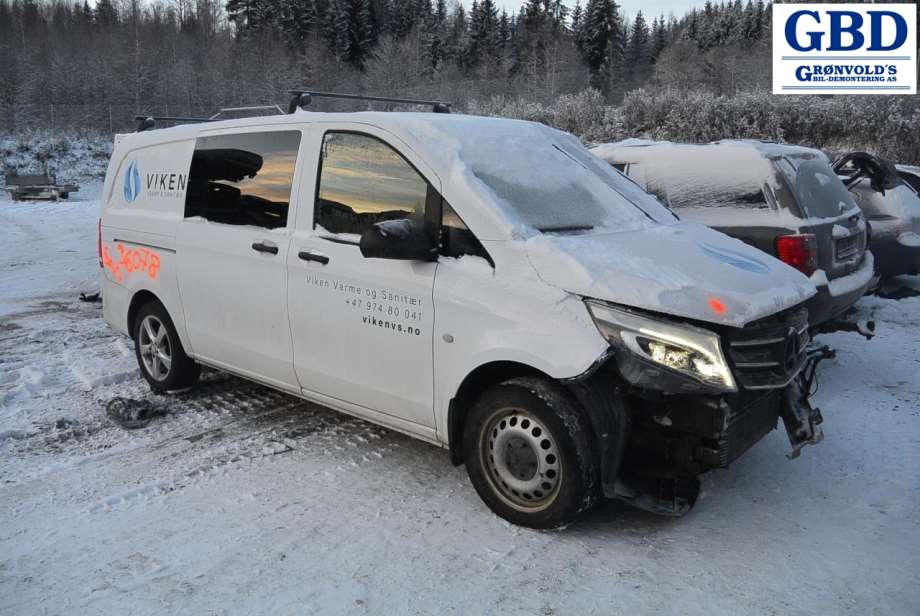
<point x="892" y="207"/>
<point x="911" y="175"/>
<point x="785" y="200"/>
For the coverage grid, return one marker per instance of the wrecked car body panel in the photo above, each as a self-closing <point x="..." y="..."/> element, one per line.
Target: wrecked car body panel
<point x="892" y="208"/>
<point x="784" y="200"/>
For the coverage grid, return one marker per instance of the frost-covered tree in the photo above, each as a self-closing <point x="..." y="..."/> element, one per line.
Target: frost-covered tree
<point x="659" y="38"/>
<point x="638" y="50"/>
<point x="483" y="33"/>
<point x="599" y="39"/>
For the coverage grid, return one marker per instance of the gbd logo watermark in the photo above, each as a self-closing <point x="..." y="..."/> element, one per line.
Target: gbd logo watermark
<point x="844" y="49"/>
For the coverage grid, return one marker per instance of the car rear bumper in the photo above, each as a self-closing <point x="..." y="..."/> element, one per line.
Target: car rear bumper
<point x="837" y="295"/>
<point x="898" y="256"/>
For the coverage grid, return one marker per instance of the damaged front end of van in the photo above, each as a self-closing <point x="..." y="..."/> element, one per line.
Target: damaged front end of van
<point x="709" y="349"/>
<point x="707" y="343"/>
<point x="683" y="399"/>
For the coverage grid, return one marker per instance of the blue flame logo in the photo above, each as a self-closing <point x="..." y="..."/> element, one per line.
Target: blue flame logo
<point x="132" y="182"/>
<point x="736" y="259"/>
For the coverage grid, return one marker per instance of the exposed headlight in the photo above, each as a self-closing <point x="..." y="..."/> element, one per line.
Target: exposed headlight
<point x="691" y="351"/>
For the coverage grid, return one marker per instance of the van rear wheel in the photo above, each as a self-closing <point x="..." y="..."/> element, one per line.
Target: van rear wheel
<point x="160" y="355"/>
<point x="529" y="453"/>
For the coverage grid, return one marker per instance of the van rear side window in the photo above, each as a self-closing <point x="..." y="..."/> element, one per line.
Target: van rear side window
<point x="243" y="179"/>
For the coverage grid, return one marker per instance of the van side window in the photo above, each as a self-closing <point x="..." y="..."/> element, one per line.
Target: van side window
<point x="364" y="181"/>
<point x="456" y="239"/>
<point x="243" y="179"/>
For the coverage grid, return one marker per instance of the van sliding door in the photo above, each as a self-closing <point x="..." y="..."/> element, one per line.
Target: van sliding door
<point x="232" y="246"/>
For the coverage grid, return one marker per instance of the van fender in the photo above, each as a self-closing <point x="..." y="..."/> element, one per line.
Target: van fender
<point x="598" y="396"/>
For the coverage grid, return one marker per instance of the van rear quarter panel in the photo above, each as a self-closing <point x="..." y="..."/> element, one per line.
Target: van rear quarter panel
<point x="143" y="203"/>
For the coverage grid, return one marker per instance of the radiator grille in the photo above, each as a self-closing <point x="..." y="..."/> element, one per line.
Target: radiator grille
<point x="769" y="353"/>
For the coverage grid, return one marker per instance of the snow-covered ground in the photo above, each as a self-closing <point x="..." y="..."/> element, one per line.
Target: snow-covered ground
<point x="242" y="500"/>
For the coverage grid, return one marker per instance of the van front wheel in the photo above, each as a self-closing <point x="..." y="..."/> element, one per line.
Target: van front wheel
<point x="529" y="453"/>
<point x="160" y="355"/>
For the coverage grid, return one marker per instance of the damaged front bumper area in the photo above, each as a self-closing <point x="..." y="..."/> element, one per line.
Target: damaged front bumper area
<point x="803" y="421"/>
<point x="672" y="438"/>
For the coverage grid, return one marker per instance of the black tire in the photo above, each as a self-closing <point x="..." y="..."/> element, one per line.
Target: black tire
<point x="182" y="371"/>
<point x="517" y="409"/>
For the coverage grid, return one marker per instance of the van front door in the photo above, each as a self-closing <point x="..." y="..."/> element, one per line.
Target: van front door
<point x="362" y="328"/>
<point x="231" y="249"/>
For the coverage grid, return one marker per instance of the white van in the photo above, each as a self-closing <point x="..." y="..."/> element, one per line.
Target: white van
<point x="486" y="285"/>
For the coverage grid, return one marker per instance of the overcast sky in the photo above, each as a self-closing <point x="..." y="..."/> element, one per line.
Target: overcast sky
<point x="629" y="7"/>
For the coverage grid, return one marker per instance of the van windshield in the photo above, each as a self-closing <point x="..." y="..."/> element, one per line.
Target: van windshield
<point x="557" y="186"/>
<point x="542" y="179"/>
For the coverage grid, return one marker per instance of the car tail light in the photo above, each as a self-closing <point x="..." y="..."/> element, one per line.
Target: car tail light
<point x="800" y="251"/>
<point x="99" y="241"/>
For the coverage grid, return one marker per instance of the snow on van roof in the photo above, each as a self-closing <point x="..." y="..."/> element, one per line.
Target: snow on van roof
<point x="507" y="178"/>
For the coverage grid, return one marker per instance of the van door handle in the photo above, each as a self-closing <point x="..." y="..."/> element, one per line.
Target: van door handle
<point x="306" y="255"/>
<point x="265" y="247"/>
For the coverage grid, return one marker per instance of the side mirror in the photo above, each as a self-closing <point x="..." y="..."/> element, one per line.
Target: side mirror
<point x="403" y="239"/>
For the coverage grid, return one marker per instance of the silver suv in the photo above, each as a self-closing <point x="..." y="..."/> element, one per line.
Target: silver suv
<point x="785" y="200"/>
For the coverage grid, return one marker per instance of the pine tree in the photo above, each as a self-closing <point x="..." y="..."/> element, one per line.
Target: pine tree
<point x="748" y="30"/>
<point x="440" y="12"/>
<point x="638" y="51"/>
<point x="659" y="39"/>
<point x="435" y="45"/>
<point x="335" y="29"/>
<point x="504" y="32"/>
<point x="404" y="15"/>
<point x="483" y="43"/>
<point x="599" y="40"/>
<point x="576" y="18"/>
<point x="362" y="31"/>
<point x="297" y="19"/>
<point x="105" y="15"/>
<point x="251" y="16"/>
<point x="761" y="17"/>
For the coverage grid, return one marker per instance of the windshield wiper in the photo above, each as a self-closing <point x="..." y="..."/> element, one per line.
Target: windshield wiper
<point x="564" y="228"/>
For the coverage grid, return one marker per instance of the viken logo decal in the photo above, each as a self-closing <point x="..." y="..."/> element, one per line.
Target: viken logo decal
<point x="844" y="48"/>
<point x="132" y="182"/>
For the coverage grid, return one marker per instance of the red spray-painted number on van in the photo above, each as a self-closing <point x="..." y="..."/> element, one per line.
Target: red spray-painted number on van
<point x="131" y="260"/>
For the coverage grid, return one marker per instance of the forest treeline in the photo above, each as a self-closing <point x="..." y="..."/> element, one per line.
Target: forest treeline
<point x="66" y="64"/>
<point x="67" y="67"/>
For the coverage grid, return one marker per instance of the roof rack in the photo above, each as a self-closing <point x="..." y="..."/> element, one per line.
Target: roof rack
<point x="149" y="122"/>
<point x="303" y="97"/>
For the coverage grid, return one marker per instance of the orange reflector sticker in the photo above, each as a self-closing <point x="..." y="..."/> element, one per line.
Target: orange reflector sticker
<point x="717" y="306"/>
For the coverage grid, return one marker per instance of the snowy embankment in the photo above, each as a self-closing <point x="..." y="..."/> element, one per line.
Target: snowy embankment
<point x="67" y="157"/>
<point x="243" y="500"/>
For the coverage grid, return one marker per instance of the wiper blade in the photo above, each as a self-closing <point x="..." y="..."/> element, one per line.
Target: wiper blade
<point x="565" y="228"/>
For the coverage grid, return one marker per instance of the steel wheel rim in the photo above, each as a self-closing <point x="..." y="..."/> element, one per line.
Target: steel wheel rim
<point x="153" y="342"/>
<point x="521" y="460"/>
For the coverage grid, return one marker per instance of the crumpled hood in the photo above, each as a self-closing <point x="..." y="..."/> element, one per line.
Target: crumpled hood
<point x="683" y="269"/>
